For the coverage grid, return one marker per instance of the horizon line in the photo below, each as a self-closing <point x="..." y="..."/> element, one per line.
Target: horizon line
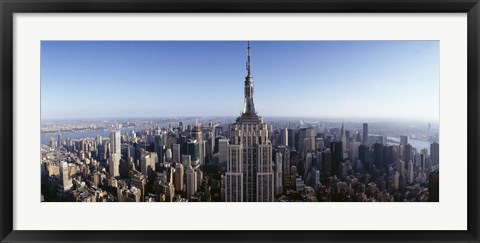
<point x="233" y="116"/>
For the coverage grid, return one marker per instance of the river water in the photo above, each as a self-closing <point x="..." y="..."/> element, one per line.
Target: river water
<point x="418" y="144"/>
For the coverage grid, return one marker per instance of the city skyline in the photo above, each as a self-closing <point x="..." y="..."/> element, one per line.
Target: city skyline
<point x="248" y="161"/>
<point x="327" y="79"/>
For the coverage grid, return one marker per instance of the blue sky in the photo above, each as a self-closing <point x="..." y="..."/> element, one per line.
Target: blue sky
<point x="324" y="79"/>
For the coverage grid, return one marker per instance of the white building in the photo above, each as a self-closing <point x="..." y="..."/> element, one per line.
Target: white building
<point x="249" y="176"/>
<point x="113" y="164"/>
<point x="147" y="162"/>
<point x="65" y="175"/>
<point x="115" y="153"/>
<point x="191" y="182"/>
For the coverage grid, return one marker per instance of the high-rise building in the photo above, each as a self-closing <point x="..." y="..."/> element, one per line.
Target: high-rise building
<point x="434" y="153"/>
<point x="52" y="144"/>
<point x="147" y="162"/>
<point x="158" y="147"/>
<point x="378" y="156"/>
<point x="99" y="140"/>
<point x="209" y="145"/>
<point x="327" y="162"/>
<point x="319" y="143"/>
<point x="115" y="142"/>
<point x="353" y="151"/>
<point x="307" y="166"/>
<point x="113" y="164"/>
<point x="319" y="162"/>
<point x="358" y="138"/>
<point x="186" y="161"/>
<point x="179" y="177"/>
<point x="343" y="139"/>
<point x="411" y="177"/>
<point x="168" y="156"/>
<point x="222" y="151"/>
<point x="278" y="173"/>
<point x="433" y="187"/>
<point x="292" y="141"/>
<point x="285" y="151"/>
<point x="337" y="156"/>
<point x="176" y="152"/>
<point x="115" y="153"/>
<point x="284" y="137"/>
<point x="191" y="182"/>
<point x="388" y="157"/>
<point x="193" y="149"/>
<point x="365" y="133"/>
<point x="407" y="152"/>
<point x="59" y="140"/>
<point x="199" y="178"/>
<point x="306" y="139"/>
<point x="65" y="176"/>
<point x="138" y="180"/>
<point x="249" y="176"/>
<point x="396" y="180"/>
<point x="197" y="134"/>
<point x="403" y="140"/>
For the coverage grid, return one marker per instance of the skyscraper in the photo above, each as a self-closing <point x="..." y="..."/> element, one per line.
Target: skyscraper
<point x="191" y="182"/>
<point x="306" y="141"/>
<point x="115" y="153"/>
<point x="284" y="137"/>
<point x="343" y="138"/>
<point x="99" y="140"/>
<point x="407" y="153"/>
<point x="147" y="162"/>
<point x="158" y="146"/>
<point x="365" y="133"/>
<point x="292" y="137"/>
<point x="115" y="142"/>
<point x="411" y="177"/>
<point x="388" y="155"/>
<point x="249" y="176"/>
<point x="433" y="187"/>
<point x="179" y="172"/>
<point x="59" y="140"/>
<point x="193" y="149"/>
<point x="176" y="152"/>
<point x="434" y="153"/>
<point x="113" y="164"/>
<point x="285" y="151"/>
<point x="378" y="156"/>
<point x="197" y="134"/>
<point x="278" y="173"/>
<point x="65" y="176"/>
<point x="337" y="156"/>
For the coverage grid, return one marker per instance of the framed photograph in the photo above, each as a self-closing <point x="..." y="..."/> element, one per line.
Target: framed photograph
<point x="239" y="121"/>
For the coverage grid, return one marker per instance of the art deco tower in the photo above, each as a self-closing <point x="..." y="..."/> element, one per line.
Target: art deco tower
<point x="249" y="176"/>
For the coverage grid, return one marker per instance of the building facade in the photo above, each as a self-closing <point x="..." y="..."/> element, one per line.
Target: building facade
<point x="249" y="176"/>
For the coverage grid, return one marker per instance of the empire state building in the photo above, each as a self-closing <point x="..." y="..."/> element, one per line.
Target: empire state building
<point x="249" y="176"/>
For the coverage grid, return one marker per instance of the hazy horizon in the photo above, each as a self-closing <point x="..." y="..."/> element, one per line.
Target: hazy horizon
<point x="321" y="119"/>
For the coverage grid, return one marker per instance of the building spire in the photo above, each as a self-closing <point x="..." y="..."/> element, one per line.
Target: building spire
<point x="248" y="60"/>
<point x="248" y="106"/>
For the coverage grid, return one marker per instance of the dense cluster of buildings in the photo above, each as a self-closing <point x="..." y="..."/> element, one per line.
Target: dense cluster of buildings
<point x="247" y="161"/>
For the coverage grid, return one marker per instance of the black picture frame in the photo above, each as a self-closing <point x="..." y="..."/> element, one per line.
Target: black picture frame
<point x="9" y="7"/>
